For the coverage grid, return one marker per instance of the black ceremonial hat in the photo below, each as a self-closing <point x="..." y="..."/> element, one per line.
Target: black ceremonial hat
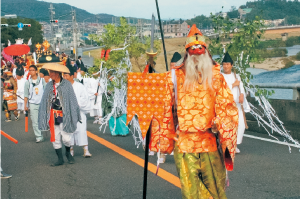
<point x="176" y="57"/>
<point x="227" y="58"/>
<point x="72" y="70"/>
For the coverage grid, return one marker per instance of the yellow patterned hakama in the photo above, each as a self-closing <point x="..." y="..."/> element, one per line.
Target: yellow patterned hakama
<point x="202" y="175"/>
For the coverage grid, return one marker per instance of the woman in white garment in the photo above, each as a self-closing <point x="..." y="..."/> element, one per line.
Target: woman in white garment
<point x="95" y="90"/>
<point x="80" y="135"/>
<point x="236" y="86"/>
<point x="20" y="92"/>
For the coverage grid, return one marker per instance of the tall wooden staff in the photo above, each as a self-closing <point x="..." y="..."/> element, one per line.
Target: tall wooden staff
<point x="98" y="84"/>
<point x="245" y="121"/>
<point x="151" y="54"/>
<point x="162" y="35"/>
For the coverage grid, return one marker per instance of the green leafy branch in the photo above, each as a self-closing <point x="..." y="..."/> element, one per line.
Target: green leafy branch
<point x="240" y="39"/>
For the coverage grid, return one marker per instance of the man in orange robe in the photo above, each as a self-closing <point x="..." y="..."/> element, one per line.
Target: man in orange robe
<point x="201" y="117"/>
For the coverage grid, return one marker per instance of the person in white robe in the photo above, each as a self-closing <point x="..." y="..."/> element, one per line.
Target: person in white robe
<point x="95" y="84"/>
<point x="14" y="72"/>
<point x="236" y="86"/>
<point x="80" y="135"/>
<point x="20" y="92"/>
<point x="79" y="77"/>
<point x="43" y="73"/>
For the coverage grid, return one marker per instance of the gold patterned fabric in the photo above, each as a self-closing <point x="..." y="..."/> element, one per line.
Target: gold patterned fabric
<point x="197" y="111"/>
<point x="145" y="98"/>
<point x="202" y="175"/>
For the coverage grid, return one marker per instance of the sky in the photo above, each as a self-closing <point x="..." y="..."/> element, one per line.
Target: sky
<point x="173" y="9"/>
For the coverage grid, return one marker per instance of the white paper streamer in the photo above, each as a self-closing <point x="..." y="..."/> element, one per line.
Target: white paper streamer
<point x="267" y="117"/>
<point x="119" y="100"/>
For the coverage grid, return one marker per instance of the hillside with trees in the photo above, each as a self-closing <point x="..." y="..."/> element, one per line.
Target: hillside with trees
<point x="273" y="9"/>
<point x="265" y="9"/>
<point x="39" y="10"/>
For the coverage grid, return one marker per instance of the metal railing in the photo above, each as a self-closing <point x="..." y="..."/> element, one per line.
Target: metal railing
<point x="295" y="87"/>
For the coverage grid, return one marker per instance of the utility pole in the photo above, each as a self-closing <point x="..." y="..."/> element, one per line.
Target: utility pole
<point x="74" y="31"/>
<point x="51" y="24"/>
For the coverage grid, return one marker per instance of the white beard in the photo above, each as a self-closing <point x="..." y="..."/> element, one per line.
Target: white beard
<point x="198" y="69"/>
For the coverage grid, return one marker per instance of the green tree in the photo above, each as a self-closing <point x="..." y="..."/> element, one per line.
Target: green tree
<point x="114" y="36"/>
<point x="203" y="21"/>
<point x="233" y="14"/>
<point x="118" y="37"/>
<point x="12" y="33"/>
<point x="242" y="40"/>
<point x="274" y="9"/>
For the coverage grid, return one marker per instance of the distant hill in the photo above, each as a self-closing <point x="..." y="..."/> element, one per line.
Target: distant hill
<point x="39" y="10"/>
<point x="273" y="9"/>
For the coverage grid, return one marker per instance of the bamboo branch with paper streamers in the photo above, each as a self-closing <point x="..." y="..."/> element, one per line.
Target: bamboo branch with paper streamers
<point x="266" y="116"/>
<point x="119" y="99"/>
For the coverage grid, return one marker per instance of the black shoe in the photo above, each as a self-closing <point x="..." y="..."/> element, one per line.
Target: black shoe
<point x="5" y="175"/>
<point x="60" y="158"/>
<point x="69" y="156"/>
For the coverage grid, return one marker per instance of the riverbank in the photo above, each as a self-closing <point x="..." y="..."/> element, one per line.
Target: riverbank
<point x="275" y="63"/>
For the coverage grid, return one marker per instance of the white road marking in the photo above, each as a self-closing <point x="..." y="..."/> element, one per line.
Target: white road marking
<point x="269" y="140"/>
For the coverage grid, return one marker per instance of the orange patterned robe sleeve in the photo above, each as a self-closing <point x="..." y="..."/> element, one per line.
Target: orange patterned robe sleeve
<point x="226" y="120"/>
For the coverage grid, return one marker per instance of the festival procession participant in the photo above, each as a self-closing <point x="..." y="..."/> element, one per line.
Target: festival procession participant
<point x="82" y="75"/>
<point x="78" y="74"/>
<point x="20" y="71"/>
<point x="3" y="63"/>
<point x="20" y="92"/>
<point x="206" y="112"/>
<point x="43" y="73"/>
<point x="33" y="92"/>
<point x="80" y="135"/>
<point x="73" y="64"/>
<point x="9" y="95"/>
<point x="236" y="86"/>
<point x="20" y="63"/>
<point x="9" y="66"/>
<point x="79" y="62"/>
<point x="59" y="111"/>
<point x="63" y="54"/>
<point x="176" y="57"/>
<point x="14" y="71"/>
<point x="95" y="90"/>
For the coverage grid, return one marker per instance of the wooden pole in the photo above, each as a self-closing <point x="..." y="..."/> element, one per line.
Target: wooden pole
<point x="162" y="35"/>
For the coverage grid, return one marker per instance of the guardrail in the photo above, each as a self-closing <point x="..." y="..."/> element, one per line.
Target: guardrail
<point x="295" y="87"/>
<point x="282" y="27"/>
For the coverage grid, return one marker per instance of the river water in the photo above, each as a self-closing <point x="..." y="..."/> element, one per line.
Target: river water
<point x="291" y="51"/>
<point x="284" y="76"/>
